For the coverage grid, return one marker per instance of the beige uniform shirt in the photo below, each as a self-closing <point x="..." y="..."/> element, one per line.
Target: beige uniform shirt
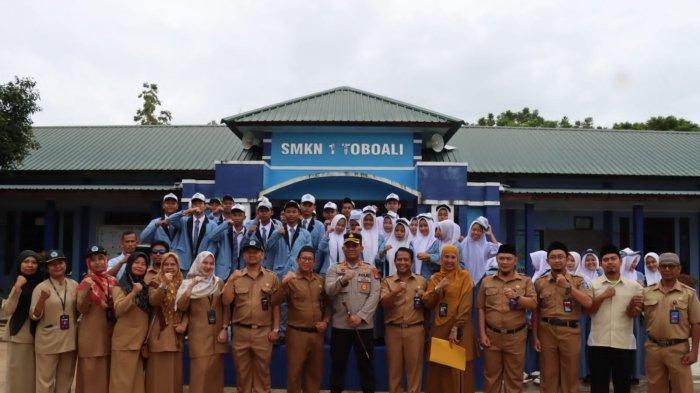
<point x="496" y="305"/>
<point x="201" y="334"/>
<point x="658" y="306"/>
<point x="550" y="297"/>
<point x="403" y="310"/>
<point x="307" y="302"/>
<point x="49" y="338"/>
<point x="361" y="294"/>
<point x="132" y="322"/>
<point x="610" y="325"/>
<point x="248" y="295"/>
<point x="23" y="336"/>
<point x="94" y="331"/>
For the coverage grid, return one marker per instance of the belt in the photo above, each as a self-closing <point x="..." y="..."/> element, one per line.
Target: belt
<point x="404" y="325"/>
<point x="506" y="331"/>
<point x="560" y="322"/>
<point x="667" y="343"/>
<point x="249" y="326"/>
<point x="304" y="329"/>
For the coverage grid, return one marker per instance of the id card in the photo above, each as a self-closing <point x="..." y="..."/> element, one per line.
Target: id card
<point x="211" y="316"/>
<point x="442" y="310"/>
<point x="513" y="304"/>
<point x="568" y="305"/>
<point x="265" y="303"/>
<point x="64" y="322"/>
<point x="675" y="317"/>
<point x="417" y="303"/>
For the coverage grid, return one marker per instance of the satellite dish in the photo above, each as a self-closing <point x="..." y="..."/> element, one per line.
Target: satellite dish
<point x="248" y="140"/>
<point x="437" y="143"/>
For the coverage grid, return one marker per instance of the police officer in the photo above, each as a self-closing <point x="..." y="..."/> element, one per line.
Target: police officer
<point x="309" y="315"/>
<point x="405" y="316"/>
<point x="255" y="319"/>
<point x="557" y="336"/>
<point x="671" y="316"/>
<point x="502" y="301"/>
<point x="354" y="287"/>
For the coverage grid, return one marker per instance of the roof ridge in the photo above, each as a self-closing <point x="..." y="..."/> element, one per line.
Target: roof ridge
<point x="601" y="130"/>
<point x="133" y="126"/>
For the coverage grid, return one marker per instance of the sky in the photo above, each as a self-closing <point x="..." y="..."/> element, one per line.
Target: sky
<point x="612" y="60"/>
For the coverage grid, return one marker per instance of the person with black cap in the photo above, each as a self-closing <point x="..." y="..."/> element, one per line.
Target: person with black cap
<point x="215" y="210"/>
<point x="19" y="333"/>
<point x="227" y="243"/>
<point x="502" y="302"/>
<point x="54" y="308"/>
<point x="671" y="317"/>
<point x="346" y="207"/>
<point x="556" y="331"/>
<point x="96" y="307"/>
<point x="255" y="318"/>
<point x="354" y="288"/>
<point x="159" y="228"/>
<point x="262" y="227"/>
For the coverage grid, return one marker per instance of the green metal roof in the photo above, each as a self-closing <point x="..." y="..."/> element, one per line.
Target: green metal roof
<point x="343" y="105"/>
<point x="578" y="191"/>
<point x="118" y="148"/>
<point x="574" y="151"/>
<point x="85" y="187"/>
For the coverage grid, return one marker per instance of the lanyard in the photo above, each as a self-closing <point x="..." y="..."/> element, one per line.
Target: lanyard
<point x="211" y="300"/>
<point x="65" y="291"/>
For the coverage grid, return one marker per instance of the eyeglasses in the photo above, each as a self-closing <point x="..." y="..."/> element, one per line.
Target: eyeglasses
<point x="158" y="252"/>
<point x="667" y="267"/>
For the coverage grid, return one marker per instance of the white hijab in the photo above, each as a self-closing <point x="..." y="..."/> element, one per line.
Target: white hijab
<point x="370" y="238"/>
<point x="421" y="243"/>
<point x="393" y="217"/>
<point x="539" y="264"/>
<point x="449" y="234"/>
<point x="396" y="243"/>
<point x="577" y="261"/>
<point x="627" y="261"/>
<point x="474" y="251"/>
<point x="651" y="277"/>
<point x="457" y="231"/>
<point x="335" y="241"/>
<point x="206" y="287"/>
<point x="586" y="273"/>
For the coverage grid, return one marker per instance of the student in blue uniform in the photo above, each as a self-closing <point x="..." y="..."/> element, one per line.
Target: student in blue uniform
<point x="262" y="227"/>
<point x="215" y="210"/>
<point x="195" y="231"/>
<point x="330" y="248"/>
<point x="392" y="203"/>
<point x="159" y="228"/>
<point x="330" y="209"/>
<point x="427" y="247"/>
<point x="226" y="244"/>
<point x="308" y="220"/>
<point x="371" y="237"/>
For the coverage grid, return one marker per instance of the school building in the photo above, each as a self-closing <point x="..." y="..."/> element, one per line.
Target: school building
<point x="584" y="187"/>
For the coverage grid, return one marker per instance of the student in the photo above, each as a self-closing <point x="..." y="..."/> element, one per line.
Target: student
<point x="346" y="207"/>
<point x="651" y="269"/>
<point x="444" y="213"/>
<point x="355" y="225"/>
<point x="388" y="222"/>
<point x="226" y="244"/>
<point x="215" y="210"/>
<point x="589" y="269"/>
<point x="20" y="330"/>
<point x="370" y="234"/>
<point x="399" y="238"/>
<point x="446" y="234"/>
<point x="308" y="222"/>
<point x="330" y="249"/>
<point x="159" y="228"/>
<point x="477" y="249"/>
<point x="573" y="261"/>
<point x="426" y="247"/>
<point x="54" y="308"/>
<point x="414" y="227"/>
<point x="128" y="244"/>
<point x="630" y="260"/>
<point x="330" y="209"/>
<point x="262" y="227"/>
<point x="392" y="203"/>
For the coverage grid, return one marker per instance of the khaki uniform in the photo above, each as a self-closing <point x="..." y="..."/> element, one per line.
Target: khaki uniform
<point x="405" y="333"/>
<point x="506" y="328"/>
<point x="150" y="274"/>
<point x="20" y="377"/>
<point x="206" y="360"/>
<point x="307" y="305"/>
<point x="126" y="369"/>
<point x="252" y="351"/>
<point x="663" y="360"/>
<point x="94" y="346"/>
<point x="55" y="349"/>
<point x="561" y="345"/>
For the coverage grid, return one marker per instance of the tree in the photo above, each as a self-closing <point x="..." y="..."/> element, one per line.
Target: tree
<point x="660" y="123"/>
<point x="18" y="102"/>
<point x="528" y="118"/>
<point x="147" y="114"/>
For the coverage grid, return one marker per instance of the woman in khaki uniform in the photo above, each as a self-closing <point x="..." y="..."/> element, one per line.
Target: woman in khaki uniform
<point x="450" y="295"/>
<point x="132" y="310"/>
<point x="19" y="333"/>
<point x="96" y="307"/>
<point x="200" y="297"/>
<point x="54" y="309"/>
<point x="164" y="371"/>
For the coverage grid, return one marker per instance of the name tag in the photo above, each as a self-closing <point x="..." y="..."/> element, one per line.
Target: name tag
<point x="211" y="316"/>
<point x="64" y="322"/>
<point x="568" y="305"/>
<point x="675" y="317"/>
<point x="442" y="310"/>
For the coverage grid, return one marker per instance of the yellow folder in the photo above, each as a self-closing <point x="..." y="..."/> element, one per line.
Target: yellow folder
<point x="442" y="353"/>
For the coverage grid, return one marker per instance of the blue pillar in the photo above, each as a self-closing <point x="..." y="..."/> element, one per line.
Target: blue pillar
<point x="49" y="225"/>
<point x="529" y="236"/>
<point x="84" y="238"/>
<point x="463" y="219"/>
<point x="638" y="225"/>
<point x="422" y="209"/>
<point x="511" y="226"/>
<point x="607" y="226"/>
<point x="493" y="214"/>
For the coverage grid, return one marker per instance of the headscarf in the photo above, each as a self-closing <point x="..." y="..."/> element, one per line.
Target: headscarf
<point x="355" y="215"/>
<point x="129" y="279"/>
<point x="335" y="242"/>
<point x="450" y="232"/>
<point x="166" y="313"/>
<point x="577" y="261"/>
<point x="474" y="252"/>
<point x="421" y="243"/>
<point x="370" y="237"/>
<point x="539" y="263"/>
<point x="101" y="287"/>
<point x="651" y="277"/>
<point x="206" y="287"/>
<point x="457" y="231"/>
<point x="629" y="256"/>
<point x="19" y="317"/>
<point x="393" y="217"/>
<point x="460" y="284"/>
<point x="586" y="273"/>
<point x="396" y="243"/>
<point x="414" y="234"/>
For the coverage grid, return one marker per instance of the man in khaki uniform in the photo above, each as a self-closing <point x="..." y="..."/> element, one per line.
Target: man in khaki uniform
<point x="671" y="316"/>
<point x="405" y="315"/>
<point x="308" y="316"/>
<point x="556" y="331"/>
<point x="255" y="319"/>
<point x="502" y="301"/>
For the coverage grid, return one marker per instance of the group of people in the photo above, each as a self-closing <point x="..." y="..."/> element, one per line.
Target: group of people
<point x="226" y="284"/>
